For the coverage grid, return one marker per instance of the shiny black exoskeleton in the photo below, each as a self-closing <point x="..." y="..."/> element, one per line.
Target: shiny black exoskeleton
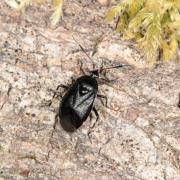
<point x="77" y="102"/>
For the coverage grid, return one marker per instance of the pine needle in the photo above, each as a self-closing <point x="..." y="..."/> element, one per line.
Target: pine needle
<point x="58" y="13"/>
<point x="153" y="24"/>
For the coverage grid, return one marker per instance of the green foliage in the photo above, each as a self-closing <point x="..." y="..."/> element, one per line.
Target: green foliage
<point x="153" y="24"/>
<point x="22" y="4"/>
<point x="57" y="12"/>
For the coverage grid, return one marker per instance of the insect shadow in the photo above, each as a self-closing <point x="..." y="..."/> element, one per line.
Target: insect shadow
<point x="78" y="101"/>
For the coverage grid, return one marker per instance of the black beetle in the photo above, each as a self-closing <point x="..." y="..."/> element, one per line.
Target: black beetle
<point x="78" y="101"/>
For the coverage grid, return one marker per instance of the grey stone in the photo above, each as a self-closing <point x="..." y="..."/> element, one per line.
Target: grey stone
<point x="137" y="135"/>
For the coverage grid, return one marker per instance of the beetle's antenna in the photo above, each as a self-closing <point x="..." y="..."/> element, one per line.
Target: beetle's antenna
<point x="112" y="67"/>
<point x="83" y="51"/>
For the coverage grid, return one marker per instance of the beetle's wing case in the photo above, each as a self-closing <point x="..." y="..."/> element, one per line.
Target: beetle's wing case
<point x="77" y="103"/>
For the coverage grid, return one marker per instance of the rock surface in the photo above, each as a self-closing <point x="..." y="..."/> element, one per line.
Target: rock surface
<point x="137" y="135"/>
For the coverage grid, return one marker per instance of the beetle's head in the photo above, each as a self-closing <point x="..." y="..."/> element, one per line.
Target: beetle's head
<point x="95" y="73"/>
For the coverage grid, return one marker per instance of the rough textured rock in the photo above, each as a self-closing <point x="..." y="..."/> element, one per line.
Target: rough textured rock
<point x="137" y="135"/>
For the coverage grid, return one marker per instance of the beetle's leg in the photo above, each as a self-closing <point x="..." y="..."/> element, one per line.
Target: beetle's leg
<point x="52" y="133"/>
<point x="97" y="117"/>
<point x="102" y="97"/>
<point x="89" y="132"/>
<point x="59" y="86"/>
<point x="62" y="86"/>
<point x="93" y="64"/>
<point x="73" y="81"/>
<point x="90" y="116"/>
<point x="57" y="93"/>
<point x="54" y="127"/>
<point x="81" y="68"/>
